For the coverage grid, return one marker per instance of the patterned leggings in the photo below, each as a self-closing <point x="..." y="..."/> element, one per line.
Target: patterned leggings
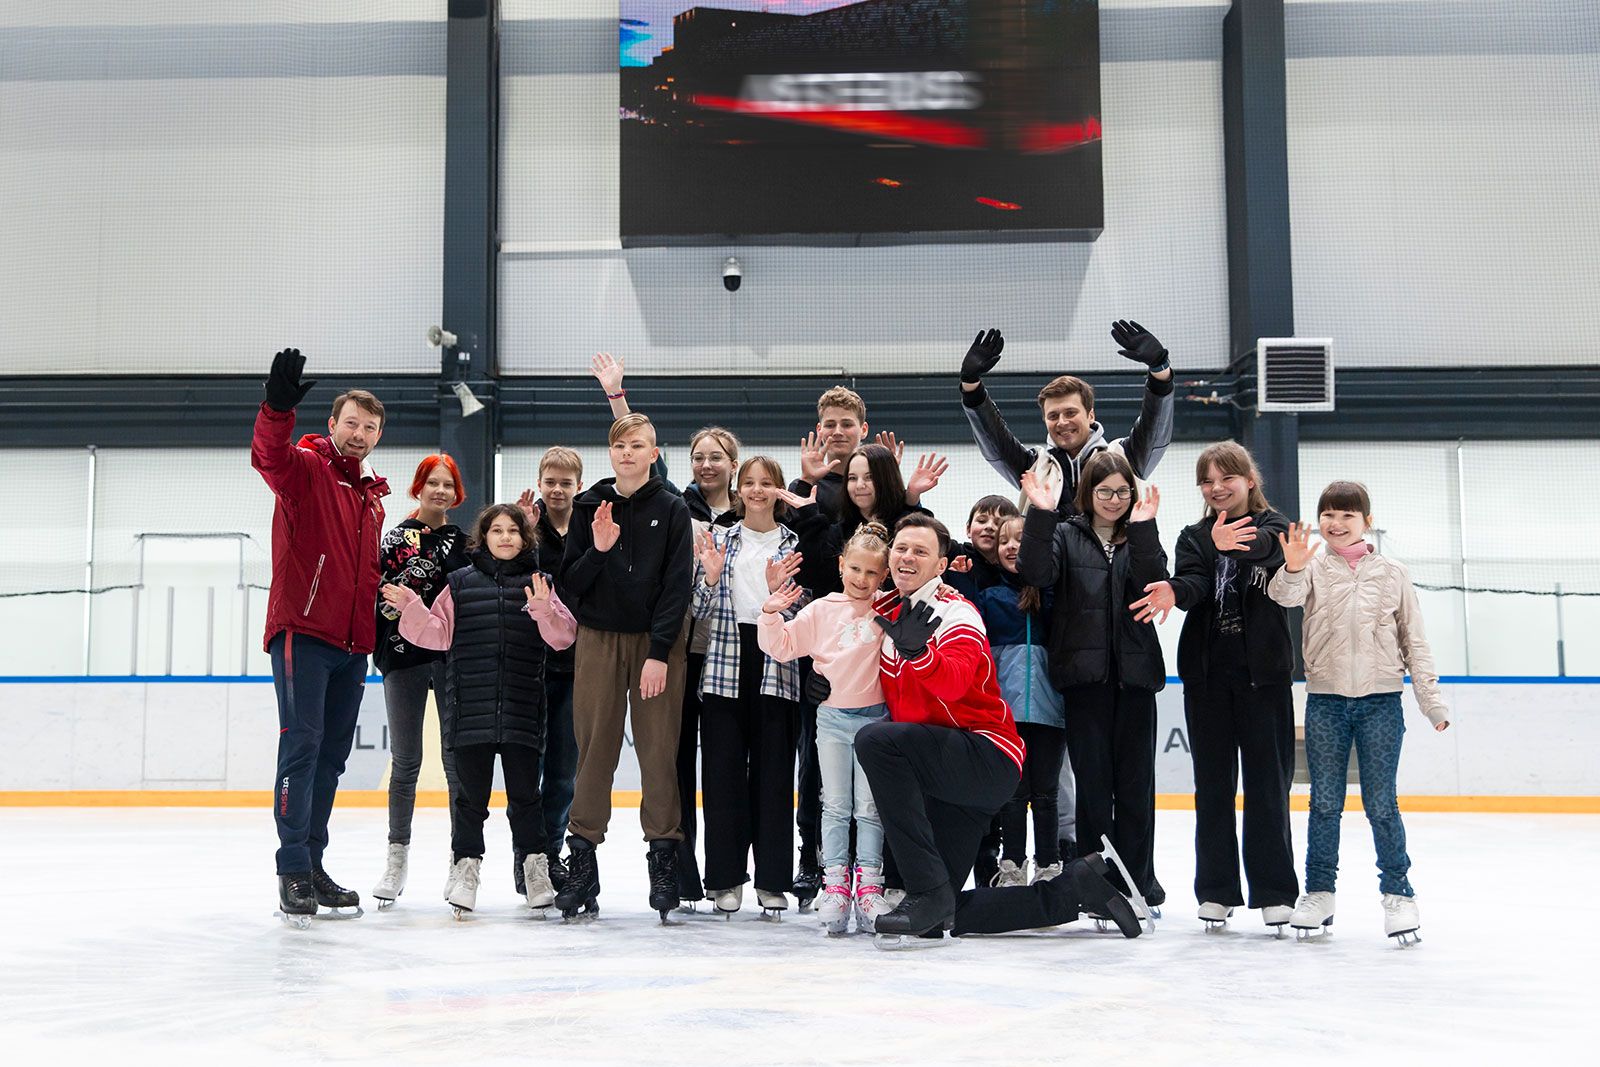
<point x="1375" y="725"/>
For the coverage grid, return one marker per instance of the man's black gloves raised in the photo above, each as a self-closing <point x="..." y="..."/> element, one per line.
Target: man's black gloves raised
<point x="1139" y="345"/>
<point x="982" y="356"/>
<point x="285" y="390"/>
<point x="910" y="632"/>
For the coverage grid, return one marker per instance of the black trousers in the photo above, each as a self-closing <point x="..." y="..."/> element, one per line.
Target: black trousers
<point x="689" y="887"/>
<point x="1111" y="740"/>
<point x="937" y="789"/>
<point x="470" y="807"/>
<point x="808" y="815"/>
<point x="1236" y="726"/>
<point x="1038" y="789"/>
<point x="747" y="745"/>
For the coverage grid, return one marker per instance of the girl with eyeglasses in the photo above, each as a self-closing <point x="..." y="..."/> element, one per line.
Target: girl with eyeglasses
<point x="1107" y="663"/>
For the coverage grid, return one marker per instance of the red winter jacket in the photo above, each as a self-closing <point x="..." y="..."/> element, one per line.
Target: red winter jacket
<point x="954" y="682"/>
<point x="325" y="531"/>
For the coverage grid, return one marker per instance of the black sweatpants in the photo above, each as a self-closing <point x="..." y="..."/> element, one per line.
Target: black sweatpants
<point x="524" y="808"/>
<point x="1038" y="789"/>
<point x="808" y="814"/>
<point x="1233" y="727"/>
<point x="747" y="746"/>
<point x="937" y="788"/>
<point x="689" y="887"/>
<point x="1111" y="740"/>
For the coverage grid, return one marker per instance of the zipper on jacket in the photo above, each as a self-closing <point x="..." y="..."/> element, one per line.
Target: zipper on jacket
<point x="316" y="579"/>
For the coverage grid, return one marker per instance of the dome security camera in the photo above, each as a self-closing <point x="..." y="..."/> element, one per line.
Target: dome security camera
<point x="732" y="274"/>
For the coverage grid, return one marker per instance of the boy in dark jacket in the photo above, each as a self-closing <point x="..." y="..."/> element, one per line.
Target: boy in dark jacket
<point x="626" y="574"/>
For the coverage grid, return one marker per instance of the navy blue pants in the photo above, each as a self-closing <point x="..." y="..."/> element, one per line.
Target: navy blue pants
<point x="319" y="691"/>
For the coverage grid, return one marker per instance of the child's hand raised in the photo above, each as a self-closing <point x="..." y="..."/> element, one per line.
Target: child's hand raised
<point x="795" y="500"/>
<point x="1160" y="602"/>
<point x="1232" y="536"/>
<point x="960" y="564"/>
<point x="528" y="504"/>
<point x="538" y="590"/>
<point x="780" y="569"/>
<point x="1039" y="494"/>
<point x="397" y="596"/>
<point x="604" y="529"/>
<point x="1297" y="547"/>
<point x="783" y="599"/>
<point x="711" y="557"/>
<point x="1145" y="510"/>
<point x="930" y="468"/>
<point x="814" y="463"/>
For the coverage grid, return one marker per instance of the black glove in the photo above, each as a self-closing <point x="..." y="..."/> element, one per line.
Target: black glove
<point x="982" y="356"/>
<point x="910" y="632"/>
<point x="285" y="390"/>
<point x="818" y="688"/>
<point x="1139" y="345"/>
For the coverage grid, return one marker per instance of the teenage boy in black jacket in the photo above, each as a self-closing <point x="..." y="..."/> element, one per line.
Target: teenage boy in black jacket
<point x="626" y="574"/>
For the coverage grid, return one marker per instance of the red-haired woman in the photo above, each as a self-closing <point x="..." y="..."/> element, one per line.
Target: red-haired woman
<point x="417" y="554"/>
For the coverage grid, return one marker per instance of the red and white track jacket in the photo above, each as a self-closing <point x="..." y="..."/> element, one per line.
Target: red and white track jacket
<point x="954" y="682"/>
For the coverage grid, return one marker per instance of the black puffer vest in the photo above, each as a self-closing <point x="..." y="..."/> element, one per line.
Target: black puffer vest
<point x="494" y="674"/>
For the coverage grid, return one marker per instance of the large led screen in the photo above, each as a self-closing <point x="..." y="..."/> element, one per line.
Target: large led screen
<point x="829" y="121"/>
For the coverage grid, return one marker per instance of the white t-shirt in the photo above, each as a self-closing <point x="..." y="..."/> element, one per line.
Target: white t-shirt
<point x="750" y="571"/>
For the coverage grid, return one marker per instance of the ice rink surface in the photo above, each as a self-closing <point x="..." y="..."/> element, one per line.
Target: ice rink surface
<point x="146" y="935"/>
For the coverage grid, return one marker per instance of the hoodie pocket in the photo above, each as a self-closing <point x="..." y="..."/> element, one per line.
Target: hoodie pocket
<point x="316" y="580"/>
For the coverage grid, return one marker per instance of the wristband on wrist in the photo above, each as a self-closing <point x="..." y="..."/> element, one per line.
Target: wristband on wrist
<point x="618" y="395"/>
<point x="1165" y="364"/>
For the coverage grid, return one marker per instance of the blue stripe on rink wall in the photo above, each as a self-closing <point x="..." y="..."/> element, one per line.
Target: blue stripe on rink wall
<point x="259" y="679"/>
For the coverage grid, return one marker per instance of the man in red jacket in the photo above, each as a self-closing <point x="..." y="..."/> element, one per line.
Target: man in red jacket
<point x="320" y="618"/>
<point x="949" y="758"/>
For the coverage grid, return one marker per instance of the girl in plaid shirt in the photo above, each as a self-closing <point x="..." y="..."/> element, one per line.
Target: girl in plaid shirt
<point x="750" y="722"/>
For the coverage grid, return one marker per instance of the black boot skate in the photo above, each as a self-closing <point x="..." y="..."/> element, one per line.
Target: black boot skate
<point x="558" y="869"/>
<point x="297" y="899"/>
<point x="807" y="883"/>
<point x="581" y="890"/>
<point x="1099" y="898"/>
<point x="920" y="917"/>
<point x="663" y="863"/>
<point x="343" y="903"/>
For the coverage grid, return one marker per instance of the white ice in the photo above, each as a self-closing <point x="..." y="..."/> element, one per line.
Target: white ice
<point x="144" y="935"/>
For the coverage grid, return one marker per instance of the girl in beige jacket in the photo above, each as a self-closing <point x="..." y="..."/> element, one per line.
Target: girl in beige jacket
<point x="1363" y="635"/>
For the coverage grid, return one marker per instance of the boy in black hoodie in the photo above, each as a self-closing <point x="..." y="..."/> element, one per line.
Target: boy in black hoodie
<point x="625" y="574"/>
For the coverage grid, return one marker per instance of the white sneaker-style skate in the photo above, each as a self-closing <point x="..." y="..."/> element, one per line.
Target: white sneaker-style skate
<point x="872" y="900"/>
<point x="1401" y="920"/>
<point x="450" y="878"/>
<point x="1045" y="874"/>
<point x="834" y="907"/>
<point x="1215" y="916"/>
<point x="1009" y="875"/>
<point x="1313" y="913"/>
<point x="464" y="885"/>
<point x="727" y="901"/>
<point x="536" y="877"/>
<point x="1277" y="916"/>
<point x="773" y="905"/>
<point x="393" y="882"/>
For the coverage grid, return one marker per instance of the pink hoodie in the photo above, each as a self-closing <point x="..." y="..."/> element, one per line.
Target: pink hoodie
<point x="436" y="627"/>
<point x="842" y="640"/>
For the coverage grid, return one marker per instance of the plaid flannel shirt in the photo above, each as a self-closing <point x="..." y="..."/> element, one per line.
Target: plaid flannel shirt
<point x="721" y="674"/>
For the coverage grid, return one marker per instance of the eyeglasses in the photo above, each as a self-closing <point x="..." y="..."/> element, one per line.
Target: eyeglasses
<point x="1102" y="493"/>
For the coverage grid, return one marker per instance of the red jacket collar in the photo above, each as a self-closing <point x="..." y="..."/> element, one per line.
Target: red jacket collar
<point x="322" y="445"/>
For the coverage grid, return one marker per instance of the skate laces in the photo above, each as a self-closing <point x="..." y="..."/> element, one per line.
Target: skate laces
<point x="469" y="876"/>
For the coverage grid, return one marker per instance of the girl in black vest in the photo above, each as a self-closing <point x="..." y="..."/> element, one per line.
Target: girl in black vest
<point x="498" y="618"/>
<point x="1106" y="663"/>
<point x="1236" y="659"/>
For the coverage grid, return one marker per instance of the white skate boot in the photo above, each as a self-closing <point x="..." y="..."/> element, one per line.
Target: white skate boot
<point x="872" y="900"/>
<point x="464" y="885"/>
<point x="393" y="882"/>
<point x="1276" y="917"/>
<point x="773" y="905"/>
<point x="833" y="910"/>
<point x="1215" y="916"/>
<point x="1313" y="913"/>
<point x="1401" y="920"/>
<point x="450" y="878"/>
<point x="727" y="901"/>
<point x="1010" y="874"/>
<point x="1045" y="874"/>
<point x="536" y="877"/>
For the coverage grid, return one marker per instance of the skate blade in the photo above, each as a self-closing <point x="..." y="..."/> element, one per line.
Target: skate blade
<point x="772" y="915"/>
<point x="461" y="914"/>
<point x="1141" y="910"/>
<point x="582" y="914"/>
<point x="297" y="922"/>
<point x="340" y="913"/>
<point x="1407" y="938"/>
<point x="687" y="907"/>
<point x="385" y="902"/>
<point x="1313" y="933"/>
<point x="907" y="942"/>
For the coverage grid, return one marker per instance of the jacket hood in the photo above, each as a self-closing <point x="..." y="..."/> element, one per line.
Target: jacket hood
<point x="606" y="489"/>
<point x="322" y="445"/>
<point x="525" y="562"/>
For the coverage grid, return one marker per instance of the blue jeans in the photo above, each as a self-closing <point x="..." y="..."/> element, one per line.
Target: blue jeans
<point x="845" y="791"/>
<point x="319" y="691"/>
<point x="1375" y="724"/>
